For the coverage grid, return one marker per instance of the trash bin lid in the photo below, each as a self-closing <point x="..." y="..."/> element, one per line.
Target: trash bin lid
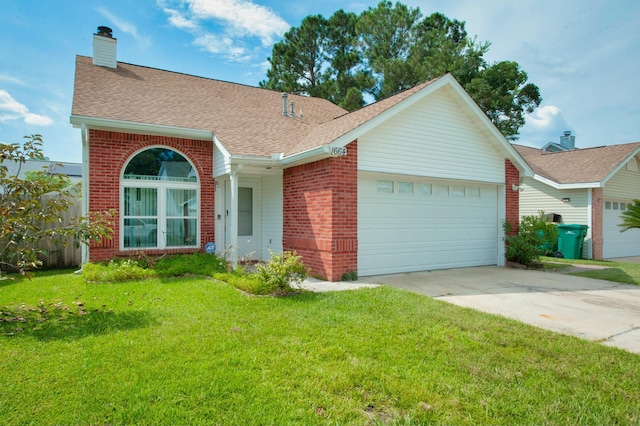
<point x="572" y="226"/>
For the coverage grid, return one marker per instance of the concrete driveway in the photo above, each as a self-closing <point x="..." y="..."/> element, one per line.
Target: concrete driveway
<point x="592" y="309"/>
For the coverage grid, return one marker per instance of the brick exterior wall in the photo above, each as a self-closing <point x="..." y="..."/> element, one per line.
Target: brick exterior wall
<point x="321" y="214"/>
<point x="597" y="206"/>
<point x="108" y="153"/>
<point x="512" y="177"/>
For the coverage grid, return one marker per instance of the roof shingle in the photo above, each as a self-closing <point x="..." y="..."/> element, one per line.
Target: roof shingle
<point x="577" y="165"/>
<point x="247" y="120"/>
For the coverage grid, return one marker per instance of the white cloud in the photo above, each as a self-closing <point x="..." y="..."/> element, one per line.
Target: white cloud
<point x="225" y="27"/>
<point x="124" y="26"/>
<point x="242" y="17"/>
<point x="5" y="78"/>
<point x="544" y="117"/>
<point x="10" y="109"/>
<point x="221" y="45"/>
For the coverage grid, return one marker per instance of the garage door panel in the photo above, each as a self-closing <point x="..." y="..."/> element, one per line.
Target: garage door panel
<point x="616" y="243"/>
<point x="404" y="232"/>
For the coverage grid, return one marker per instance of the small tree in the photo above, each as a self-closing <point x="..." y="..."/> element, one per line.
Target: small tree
<point x="28" y="220"/>
<point x="631" y="217"/>
<point x="535" y="237"/>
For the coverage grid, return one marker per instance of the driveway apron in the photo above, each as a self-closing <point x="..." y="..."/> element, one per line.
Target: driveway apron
<point x="596" y="310"/>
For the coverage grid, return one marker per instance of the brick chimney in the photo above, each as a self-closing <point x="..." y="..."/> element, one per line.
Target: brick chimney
<point x="104" y="48"/>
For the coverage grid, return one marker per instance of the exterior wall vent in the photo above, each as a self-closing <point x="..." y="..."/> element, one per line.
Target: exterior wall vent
<point x="104" y="48"/>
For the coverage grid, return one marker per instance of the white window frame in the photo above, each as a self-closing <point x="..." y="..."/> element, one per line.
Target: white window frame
<point x="161" y="186"/>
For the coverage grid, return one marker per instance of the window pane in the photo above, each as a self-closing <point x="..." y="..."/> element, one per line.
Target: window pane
<point x="140" y="202"/>
<point x="182" y="202"/>
<point x="615" y="205"/>
<point x="140" y="233"/>
<point x="442" y="189"/>
<point x="245" y="212"/>
<point x="405" y="187"/>
<point x="181" y="232"/>
<point x="160" y="164"/>
<point x="457" y="191"/>
<point x="424" y="189"/>
<point x="607" y="205"/>
<point x="385" y="186"/>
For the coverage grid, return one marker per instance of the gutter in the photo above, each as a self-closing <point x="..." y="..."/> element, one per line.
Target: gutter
<point x="581" y="185"/>
<point x="136" y="127"/>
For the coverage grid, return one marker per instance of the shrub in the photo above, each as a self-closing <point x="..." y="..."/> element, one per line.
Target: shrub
<point x="281" y="271"/>
<point x="536" y="236"/>
<point x="116" y="271"/>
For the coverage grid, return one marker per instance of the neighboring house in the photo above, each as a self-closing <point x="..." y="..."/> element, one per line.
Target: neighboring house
<point x="590" y="187"/>
<point x="72" y="170"/>
<point x="421" y="180"/>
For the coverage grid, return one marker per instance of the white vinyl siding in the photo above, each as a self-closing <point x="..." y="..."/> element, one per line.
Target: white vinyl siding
<point x="272" y="215"/>
<point x="219" y="163"/>
<point x="622" y="188"/>
<point x="537" y="196"/>
<point x="434" y="138"/>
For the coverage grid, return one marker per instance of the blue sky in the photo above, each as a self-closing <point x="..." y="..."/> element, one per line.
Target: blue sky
<point x="583" y="54"/>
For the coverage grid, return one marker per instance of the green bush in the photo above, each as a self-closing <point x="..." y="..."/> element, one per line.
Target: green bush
<point x="281" y="271"/>
<point x="536" y="234"/>
<point x="116" y="271"/>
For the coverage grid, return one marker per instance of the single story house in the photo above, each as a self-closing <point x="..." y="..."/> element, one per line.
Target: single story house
<point x="421" y="180"/>
<point x="591" y="186"/>
<point x="72" y="170"/>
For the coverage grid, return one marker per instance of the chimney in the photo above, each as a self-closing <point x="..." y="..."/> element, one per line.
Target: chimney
<point x="567" y="140"/>
<point x="104" y="48"/>
<point x="284" y="105"/>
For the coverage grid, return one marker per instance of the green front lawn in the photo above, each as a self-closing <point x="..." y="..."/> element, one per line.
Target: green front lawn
<point x="620" y="272"/>
<point x="195" y="351"/>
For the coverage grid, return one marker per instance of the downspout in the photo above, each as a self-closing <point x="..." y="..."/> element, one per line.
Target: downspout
<point x="84" y="132"/>
<point x="233" y="217"/>
<point x="590" y="222"/>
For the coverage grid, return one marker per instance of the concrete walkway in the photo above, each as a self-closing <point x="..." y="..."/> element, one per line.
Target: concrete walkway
<point x="592" y="309"/>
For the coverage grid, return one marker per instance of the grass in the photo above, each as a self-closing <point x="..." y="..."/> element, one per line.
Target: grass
<point x="196" y="351"/>
<point x="621" y="272"/>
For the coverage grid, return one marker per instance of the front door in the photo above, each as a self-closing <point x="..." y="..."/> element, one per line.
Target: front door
<point x="248" y="220"/>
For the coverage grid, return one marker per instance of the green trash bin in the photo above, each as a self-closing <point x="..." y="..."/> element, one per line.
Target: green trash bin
<point x="571" y="240"/>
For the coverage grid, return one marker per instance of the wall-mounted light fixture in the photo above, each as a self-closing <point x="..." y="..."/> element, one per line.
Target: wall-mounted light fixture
<point x="515" y="187"/>
<point x="566" y="200"/>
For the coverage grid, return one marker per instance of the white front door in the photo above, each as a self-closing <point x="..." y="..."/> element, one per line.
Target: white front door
<point x="248" y="219"/>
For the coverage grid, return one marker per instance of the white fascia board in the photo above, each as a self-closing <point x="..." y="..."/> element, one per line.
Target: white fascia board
<point x="622" y="164"/>
<point x="251" y="160"/>
<point x="556" y="185"/>
<point x="315" y="154"/>
<point x="143" y="128"/>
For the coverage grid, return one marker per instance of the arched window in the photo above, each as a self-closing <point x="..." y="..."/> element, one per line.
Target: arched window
<point x="160" y="207"/>
<point x="632" y="165"/>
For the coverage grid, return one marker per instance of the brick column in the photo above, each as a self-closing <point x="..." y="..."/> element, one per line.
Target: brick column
<point x="597" y="206"/>
<point x="321" y="214"/>
<point x="512" y="177"/>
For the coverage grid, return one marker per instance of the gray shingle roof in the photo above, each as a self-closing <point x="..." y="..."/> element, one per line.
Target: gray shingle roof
<point x="578" y="165"/>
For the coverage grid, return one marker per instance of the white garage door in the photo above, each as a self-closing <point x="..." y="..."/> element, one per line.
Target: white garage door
<point x="616" y="243"/>
<point x="411" y="224"/>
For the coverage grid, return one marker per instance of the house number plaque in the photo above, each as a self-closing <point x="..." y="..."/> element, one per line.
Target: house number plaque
<point x="339" y="151"/>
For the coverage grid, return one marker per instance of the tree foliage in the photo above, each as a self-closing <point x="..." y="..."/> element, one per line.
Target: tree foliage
<point x="631" y="217"/>
<point x="391" y="48"/>
<point x="28" y="218"/>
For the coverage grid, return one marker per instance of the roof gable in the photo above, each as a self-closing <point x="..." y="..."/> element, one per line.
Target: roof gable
<point x="579" y="166"/>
